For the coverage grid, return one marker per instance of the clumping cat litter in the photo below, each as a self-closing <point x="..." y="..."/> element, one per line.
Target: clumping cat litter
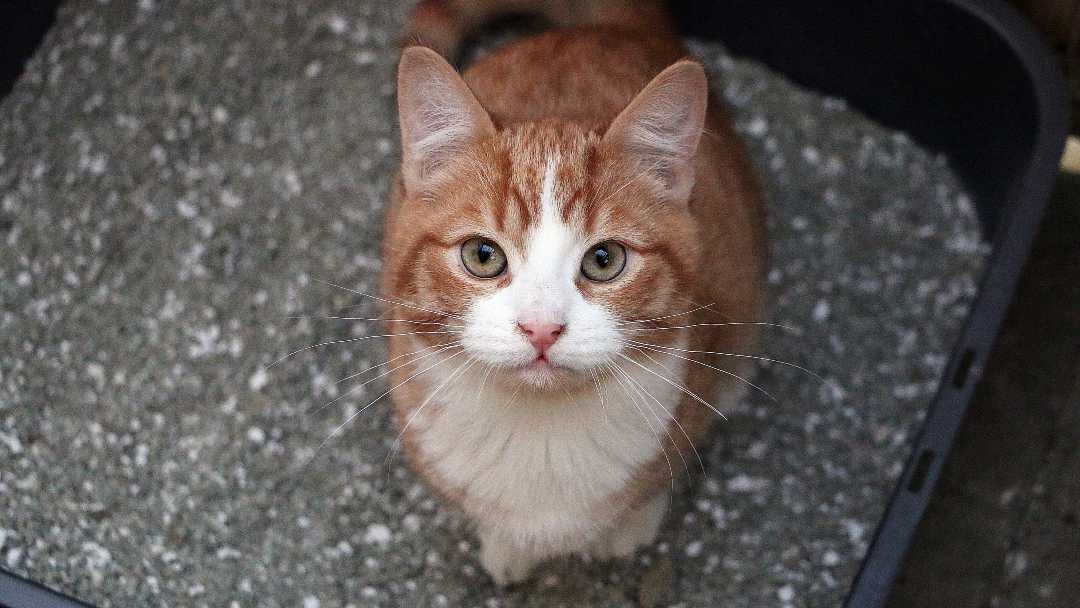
<point x="177" y="177"/>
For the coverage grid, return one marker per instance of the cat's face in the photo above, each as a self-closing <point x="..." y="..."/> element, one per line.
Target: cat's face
<point x="542" y="243"/>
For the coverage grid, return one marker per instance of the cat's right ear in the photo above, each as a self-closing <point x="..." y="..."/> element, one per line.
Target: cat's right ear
<point x="438" y="113"/>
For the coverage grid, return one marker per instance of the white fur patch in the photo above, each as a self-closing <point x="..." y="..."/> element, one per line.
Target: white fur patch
<point x="535" y="465"/>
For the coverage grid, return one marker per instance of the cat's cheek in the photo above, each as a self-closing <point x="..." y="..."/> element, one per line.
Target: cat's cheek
<point x="490" y="334"/>
<point x="592" y="339"/>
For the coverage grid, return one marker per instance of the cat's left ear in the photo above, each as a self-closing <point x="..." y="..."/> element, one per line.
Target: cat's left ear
<point x="439" y="115"/>
<point x="659" y="131"/>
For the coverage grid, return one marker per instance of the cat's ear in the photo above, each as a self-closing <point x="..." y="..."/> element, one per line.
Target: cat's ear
<point x="659" y="131"/>
<point x="439" y="115"/>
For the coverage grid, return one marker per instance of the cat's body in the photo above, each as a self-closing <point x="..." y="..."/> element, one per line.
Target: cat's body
<point x="544" y="424"/>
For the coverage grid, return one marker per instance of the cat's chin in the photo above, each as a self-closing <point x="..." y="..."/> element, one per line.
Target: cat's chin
<point x="542" y="374"/>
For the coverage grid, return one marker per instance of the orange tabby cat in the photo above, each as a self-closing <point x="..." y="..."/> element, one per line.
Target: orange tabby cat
<point x="574" y="256"/>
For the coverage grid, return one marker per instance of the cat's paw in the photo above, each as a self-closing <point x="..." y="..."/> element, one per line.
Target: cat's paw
<point x="506" y="563"/>
<point x="637" y="529"/>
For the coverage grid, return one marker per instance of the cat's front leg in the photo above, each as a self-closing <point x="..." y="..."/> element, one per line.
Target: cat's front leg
<point x="637" y="529"/>
<point x="505" y="561"/>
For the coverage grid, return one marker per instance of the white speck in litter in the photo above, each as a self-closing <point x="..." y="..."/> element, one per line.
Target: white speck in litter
<point x="745" y="484"/>
<point x="256" y="435"/>
<point x="694" y="549"/>
<point x="225" y="553"/>
<point x="96" y="373"/>
<point x="757" y="126"/>
<point x="377" y="534"/>
<point x="14" y="446"/>
<point x="369" y="592"/>
<point x="313" y="69"/>
<point x="811" y="155"/>
<point x="311" y="602"/>
<point x="97" y="557"/>
<point x="1016" y="563"/>
<point x="22" y="279"/>
<point x="338" y="24"/>
<point x="141" y="455"/>
<point x="854" y="529"/>
<point x="786" y="593"/>
<point x="230" y="199"/>
<point x="258" y="380"/>
<point x="292" y="182"/>
<point x="364" y="57"/>
<point x="186" y="209"/>
<point x="821" y="311"/>
<point x="14" y="556"/>
<point x="411" y="522"/>
<point x="831" y="558"/>
<point x="220" y="115"/>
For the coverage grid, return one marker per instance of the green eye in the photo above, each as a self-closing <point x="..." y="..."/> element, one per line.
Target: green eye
<point x="604" y="261"/>
<point x="483" y="258"/>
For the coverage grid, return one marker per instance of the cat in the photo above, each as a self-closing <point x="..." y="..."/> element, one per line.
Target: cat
<point x="575" y="238"/>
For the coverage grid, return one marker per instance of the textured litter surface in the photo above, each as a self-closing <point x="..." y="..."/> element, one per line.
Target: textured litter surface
<point x="176" y="176"/>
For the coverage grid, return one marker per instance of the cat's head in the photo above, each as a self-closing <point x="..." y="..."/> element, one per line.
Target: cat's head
<point x="543" y="242"/>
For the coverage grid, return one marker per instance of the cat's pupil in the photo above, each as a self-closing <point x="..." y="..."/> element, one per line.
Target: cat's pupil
<point x="484" y="252"/>
<point x="603" y="258"/>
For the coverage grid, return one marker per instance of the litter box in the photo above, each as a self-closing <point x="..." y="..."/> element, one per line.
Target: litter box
<point x="965" y="78"/>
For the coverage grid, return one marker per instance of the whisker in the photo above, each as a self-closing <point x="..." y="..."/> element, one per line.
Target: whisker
<point x="600" y="395"/>
<point x="633" y="402"/>
<point x="683" y="389"/>
<point x="389" y="361"/>
<point x="739" y="355"/>
<point x="678" y="314"/>
<point x="645" y="392"/>
<point x="334" y="318"/>
<point x="462" y="369"/>
<point x="672" y="327"/>
<point x="358" y="339"/>
<point x="355" y="388"/>
<point x="387" y="301"/>
<point x="673" y="417"/>
<point x="712" y="367"/>
<point x="353" y="416"/>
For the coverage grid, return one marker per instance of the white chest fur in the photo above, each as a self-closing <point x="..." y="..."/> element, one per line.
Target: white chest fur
<point x="537" y="467"/>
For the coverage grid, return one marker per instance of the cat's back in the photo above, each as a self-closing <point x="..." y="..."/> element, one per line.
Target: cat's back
<point x="585" y="74"/>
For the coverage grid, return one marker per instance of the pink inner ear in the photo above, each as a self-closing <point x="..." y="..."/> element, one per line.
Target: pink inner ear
<point x="661" y="128"/>
<point x="439" y="115"/>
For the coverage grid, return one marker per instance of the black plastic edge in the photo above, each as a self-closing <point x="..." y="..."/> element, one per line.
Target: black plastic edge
<point x="18" y="592"/>
<point x="1012" y="245"/>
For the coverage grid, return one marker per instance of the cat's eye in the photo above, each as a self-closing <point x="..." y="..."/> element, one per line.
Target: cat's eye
<point x="483" y="258"/>
<point x="604" y="261"/>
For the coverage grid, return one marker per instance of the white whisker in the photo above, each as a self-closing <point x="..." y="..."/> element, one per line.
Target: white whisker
<point x="733" y="323"/>
<point x="358" y="339"/>
<point x="678" y="386"/>
<point x="712" y="367"/>
<point x="353" y="389"/>
<point x="739" y="355"/>
<point x="671" y="472"/>
<point x="353" y="416"/>
<point x="389" y="361"/>
<point x="461" y="369"/>
<point x="387" y="301"/>
<point x="645" y="393"/>
<point x="334" y="318"/>
<point x="678" y="314"/>
<point x="674" y="418"/>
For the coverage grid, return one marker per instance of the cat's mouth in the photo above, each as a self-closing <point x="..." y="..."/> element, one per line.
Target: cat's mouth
<point x="541" y="362"/>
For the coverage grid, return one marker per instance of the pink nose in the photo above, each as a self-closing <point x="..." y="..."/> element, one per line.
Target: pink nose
<point x="541" y="335"/>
